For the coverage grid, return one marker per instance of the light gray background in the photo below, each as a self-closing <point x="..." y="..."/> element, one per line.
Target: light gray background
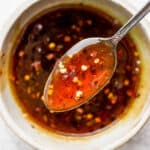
<point x="9" y="141"/>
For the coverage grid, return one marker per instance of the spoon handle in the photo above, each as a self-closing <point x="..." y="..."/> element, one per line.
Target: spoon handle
<point x="131" y="22"/>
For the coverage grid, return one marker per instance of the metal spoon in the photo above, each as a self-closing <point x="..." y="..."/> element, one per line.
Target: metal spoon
<point x="111" y="41"/>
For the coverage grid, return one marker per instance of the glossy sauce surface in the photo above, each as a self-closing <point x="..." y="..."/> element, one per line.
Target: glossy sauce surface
<point x="76" y="78"/>
<point x="44" y="41"/>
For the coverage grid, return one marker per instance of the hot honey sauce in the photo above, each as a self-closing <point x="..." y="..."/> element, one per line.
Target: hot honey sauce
<point x="44" y="41"/>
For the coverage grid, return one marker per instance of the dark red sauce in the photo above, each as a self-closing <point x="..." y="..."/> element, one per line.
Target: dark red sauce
<point x="44" y="41"/>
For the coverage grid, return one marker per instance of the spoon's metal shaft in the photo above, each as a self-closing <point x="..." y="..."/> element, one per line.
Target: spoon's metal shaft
<point x="131" y="23"/>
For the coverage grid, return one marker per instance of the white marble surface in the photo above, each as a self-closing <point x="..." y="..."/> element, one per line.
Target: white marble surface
<point x="9" y="141"/>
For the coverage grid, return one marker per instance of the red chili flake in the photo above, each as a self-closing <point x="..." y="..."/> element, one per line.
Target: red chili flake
<point x="93" y="54"/>
<point x="134" y="78"/>
<point x="126" y="82"/>
<point x="130" y="93"/>
<point x="106" y="91"/>
<point x="36" y="65"/>
<point x="101" y="62"/>
<point x="120" y="52"/>
<point x="113" y="100"/>
<point x="132" y="45"/>
<point x="37" y="109"/>
<point x="67" y="38"/>
<point x="50" y="56"/>
<point x="89" y="22"/>
<point x="38" y="94"/>
<point x="21" y="54"/>
<point x="98" y="120"/>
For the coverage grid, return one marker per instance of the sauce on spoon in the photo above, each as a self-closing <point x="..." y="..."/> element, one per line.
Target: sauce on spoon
<point x="76" y="77"/>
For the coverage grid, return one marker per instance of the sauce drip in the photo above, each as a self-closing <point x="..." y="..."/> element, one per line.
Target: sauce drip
<point x="77" y="78"/>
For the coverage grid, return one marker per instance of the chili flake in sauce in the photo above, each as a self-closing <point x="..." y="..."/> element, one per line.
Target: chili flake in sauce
<point x="44" y="40"/>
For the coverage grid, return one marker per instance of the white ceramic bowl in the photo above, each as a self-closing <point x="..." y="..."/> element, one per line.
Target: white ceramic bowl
<point x="109" y="138"/>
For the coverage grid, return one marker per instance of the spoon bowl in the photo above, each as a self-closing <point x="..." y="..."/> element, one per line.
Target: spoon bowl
<point x="80" y="46"/>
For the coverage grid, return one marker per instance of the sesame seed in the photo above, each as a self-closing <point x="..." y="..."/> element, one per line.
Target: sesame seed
<point x="51" y="86"/>
<point x="61" y="65"/>
<point x="27" y="77"/>
<point x="39" y="49"/>
<point x="79" y="110"/>
<point x="25" y="115"/>
<point x="63" y="70"/>
<point x="39" y="26"/>
<point x="50" y="92"/>
<point x="52" y="45"/>
<point x="75" y="79"/>
<point x="84" y="67"/>
<point x="70" y="56"/>
<point x="137" y="70"/>
<point x="93" y="54"/>
<point x="138" y="62"/>
<point x="96" y="61"/>
<point x="42" y="98"/>
<point x="78" y="94"/>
